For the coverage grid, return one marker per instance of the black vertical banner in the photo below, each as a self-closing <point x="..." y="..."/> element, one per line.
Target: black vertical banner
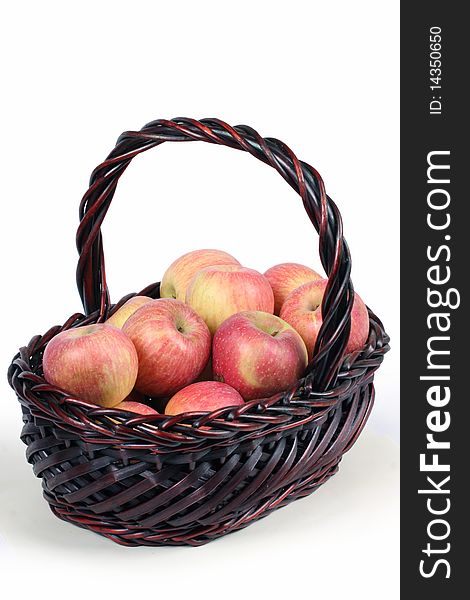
<point x="435" y="331"/>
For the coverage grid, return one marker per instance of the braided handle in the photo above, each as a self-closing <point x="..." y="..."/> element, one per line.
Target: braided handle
<point x="322" y="211"/>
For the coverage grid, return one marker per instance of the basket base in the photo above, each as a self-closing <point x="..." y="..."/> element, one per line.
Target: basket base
<point x="194" y="536"/>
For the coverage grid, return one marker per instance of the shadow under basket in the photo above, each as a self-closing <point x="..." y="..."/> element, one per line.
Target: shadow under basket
<point x="188" y="479"/>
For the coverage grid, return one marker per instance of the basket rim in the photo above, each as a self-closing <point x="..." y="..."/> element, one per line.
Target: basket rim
<point x="284" y="411"/>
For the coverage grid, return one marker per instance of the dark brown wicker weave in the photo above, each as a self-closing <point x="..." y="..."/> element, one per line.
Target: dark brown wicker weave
<point x="188" y="479"/>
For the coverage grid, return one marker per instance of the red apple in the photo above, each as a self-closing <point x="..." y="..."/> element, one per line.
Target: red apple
<point x="302" y="309"/>
<point x="285" y="278"/>
<point x="178" y="275"/>
<point x="218" y="292"/>
<point x="95" y="363"/>
<point x="127" y="309"/>
<point x="258" y="354"/>
<point x="136" y="407"/>
<point x="203" y="396"/>
<point x="173" y="345"/>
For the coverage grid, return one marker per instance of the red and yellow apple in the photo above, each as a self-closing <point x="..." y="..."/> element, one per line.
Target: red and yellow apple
<point x="127" y="309"/>
<point x="203" y="396"/>
<point x="258" y="354"/>
<point x="302" y="309"/>
<point x="286" y="277"/>
<point x="178" y="275"/>
<point x="173" y="346"/>
<point x="95" y="363"/>
<point x="136" y="407"/>
<point x="218" y="292"/>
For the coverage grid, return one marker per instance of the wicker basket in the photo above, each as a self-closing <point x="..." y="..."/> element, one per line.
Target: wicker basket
<point x="188" y="479"/>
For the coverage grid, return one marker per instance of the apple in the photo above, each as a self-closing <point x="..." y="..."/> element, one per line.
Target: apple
<point x="203" y="396"/>
<point x="302" y="309"/>
<point x="218" y="292"/>
<point x="136" y="407"/>
<point x="258" y="354"/>
<point x="173" y="346"/>
<point x="95" y="363"/>
<point x="285" y="278"/>
<point x="178" y="275"/>
<point x="127" y="309"/>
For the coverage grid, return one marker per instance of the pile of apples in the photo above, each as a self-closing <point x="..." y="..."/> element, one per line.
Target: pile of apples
<point x="219" y="335"/>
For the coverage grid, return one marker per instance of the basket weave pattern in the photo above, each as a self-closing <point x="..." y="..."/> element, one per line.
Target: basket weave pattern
<point x="188" y="479"/>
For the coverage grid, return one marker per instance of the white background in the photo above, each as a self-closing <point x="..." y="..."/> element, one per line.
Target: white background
<point x="322" y="77"/>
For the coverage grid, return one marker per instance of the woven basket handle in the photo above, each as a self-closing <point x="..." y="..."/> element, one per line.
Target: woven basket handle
<point x="304" y="179"/>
